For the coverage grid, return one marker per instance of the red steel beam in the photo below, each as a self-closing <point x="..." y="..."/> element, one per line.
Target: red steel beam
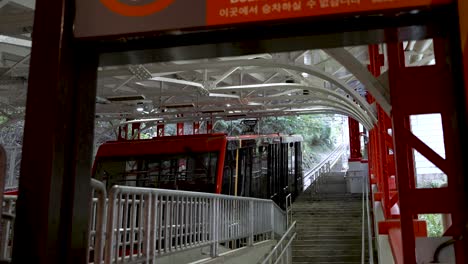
<point x="409" y="87"/>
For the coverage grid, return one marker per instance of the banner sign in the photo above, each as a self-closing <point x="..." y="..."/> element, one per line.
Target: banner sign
<point x="95" y="18"/>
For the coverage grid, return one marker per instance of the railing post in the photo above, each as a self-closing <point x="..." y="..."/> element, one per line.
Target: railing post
<point x="110" y="226"/>
<point x="272" y="220"/>
<point x="251" y="223"/>
<point x="214" y="227"/>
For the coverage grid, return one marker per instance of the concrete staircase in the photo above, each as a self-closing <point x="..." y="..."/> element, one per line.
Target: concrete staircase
<point x="329" y="225"/>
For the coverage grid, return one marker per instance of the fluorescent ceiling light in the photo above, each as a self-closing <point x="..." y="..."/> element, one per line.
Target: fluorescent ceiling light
<point x="15" y="41"/>
<point x="180" y="106"/>
<point x="143" y="120"/>
<point x="126" y="98"/>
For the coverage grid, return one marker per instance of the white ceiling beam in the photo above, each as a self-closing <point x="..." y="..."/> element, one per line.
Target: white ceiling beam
<point x="378" y="91"/>
<point x="29" y="4"/>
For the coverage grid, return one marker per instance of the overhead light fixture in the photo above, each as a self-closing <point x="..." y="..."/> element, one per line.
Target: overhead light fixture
<point x="140" y="107"/>
<point x="213" y="111"/>
<point x="240" y="115"/>
<point x="126" y="98"/>
<point x="228" y="105"/>
<point x="175" y="106"/>
<point x="143" y="120"/>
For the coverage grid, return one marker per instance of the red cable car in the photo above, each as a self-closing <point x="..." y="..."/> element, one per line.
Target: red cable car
<point x="263" y="166"/>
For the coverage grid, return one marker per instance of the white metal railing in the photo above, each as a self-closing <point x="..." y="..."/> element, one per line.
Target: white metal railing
<point x="139" y="224"/>
<point x="144" y="223"/>
<point x="96" y="228"/>
<point x="7" y="221"/>
<point x="97" y="223"/>
<point x="366" y="217"/>
<point x="314" y="175"/>
<point x="281" y="252"/>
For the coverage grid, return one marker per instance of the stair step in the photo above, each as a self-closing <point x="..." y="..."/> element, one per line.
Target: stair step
<point x="327" y="241"/>
<point x="329" y="223"/>
<point x="327" y="252"/>
<point x="329" y="259"/>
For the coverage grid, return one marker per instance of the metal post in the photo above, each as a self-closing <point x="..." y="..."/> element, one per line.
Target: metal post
<point x="215" y="204"/>
<point x="4" y="230"/>
<point x="463" y="75"/>
<point x="54" y="191"/>
<point x="272" y="212"/>
<point x="180" y="129"/>
<point x="160" y="130"/>
<point x="209" y="127"/>
<point x="354" y="140"/>
<point x="251" y="224"/>
<point x="196" y="128"/>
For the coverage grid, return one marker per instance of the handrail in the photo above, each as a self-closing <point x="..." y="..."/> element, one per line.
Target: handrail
<point x="366" y="214"/>
<point x="145" y="223"/>
<point x="288" y="209"/>
<point x="279" y="245"/>
<point x="98" y="216"/>
<point x="313" y="176"/>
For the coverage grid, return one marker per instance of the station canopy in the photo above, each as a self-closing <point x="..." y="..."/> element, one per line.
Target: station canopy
<point x="250" y="86"/>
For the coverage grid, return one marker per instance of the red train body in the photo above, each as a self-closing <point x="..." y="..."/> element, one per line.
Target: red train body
<point x="264" y="166"/>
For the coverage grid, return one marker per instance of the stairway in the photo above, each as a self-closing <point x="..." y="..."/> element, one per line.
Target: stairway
<point x="329" y="226"/>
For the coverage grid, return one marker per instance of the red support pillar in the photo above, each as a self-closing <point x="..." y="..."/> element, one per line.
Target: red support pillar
<point x="160" y="130"/>
<point x="180" y="129"/>
<point x="196" y="128"/>
<point x="136" y="130"/>
<point x="382" y="165"/>
<point x="416" y="91"/>
<point x="209" y="127"/>
<point x="123" y="130"/>
<point x="354" y="140"/>
<point x="463" y="24"/>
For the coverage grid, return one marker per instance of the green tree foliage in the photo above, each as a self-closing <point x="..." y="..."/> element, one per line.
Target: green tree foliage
<point x="320" y="132"/>
<point x="434" y="224"/>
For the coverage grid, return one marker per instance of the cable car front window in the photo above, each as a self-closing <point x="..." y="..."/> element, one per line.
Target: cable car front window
<point x="193" y="171"/>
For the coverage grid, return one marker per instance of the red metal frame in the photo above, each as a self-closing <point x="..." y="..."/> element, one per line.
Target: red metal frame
<point x="169" y="145"/>
<point x="196" y="128"/>
<point x="382" y="160"/>
<point x="180" y="129"/>
<point x="209" y="127"/>
<point x="463" y="26"/>
<point x="408" y="86"/>
<point x="160" y="130"/>
<point x="354" y="140"/>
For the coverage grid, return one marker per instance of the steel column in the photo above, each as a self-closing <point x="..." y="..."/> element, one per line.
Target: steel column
<point x="52" y="212"/>
<point x="180" y="129"/>
<point x="382" y="165"/>
<point x="408" y="86"/>
<point x="209" y="127"/>
<point x="196" y="128"/>
<point x="160" y="130"/>
<point x="136" y="128"/>
<point x="354" y="140"/>
<point x="463" y="75"/>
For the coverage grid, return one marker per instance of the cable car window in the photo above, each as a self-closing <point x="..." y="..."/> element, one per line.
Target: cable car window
<point x="193" y="171"/>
